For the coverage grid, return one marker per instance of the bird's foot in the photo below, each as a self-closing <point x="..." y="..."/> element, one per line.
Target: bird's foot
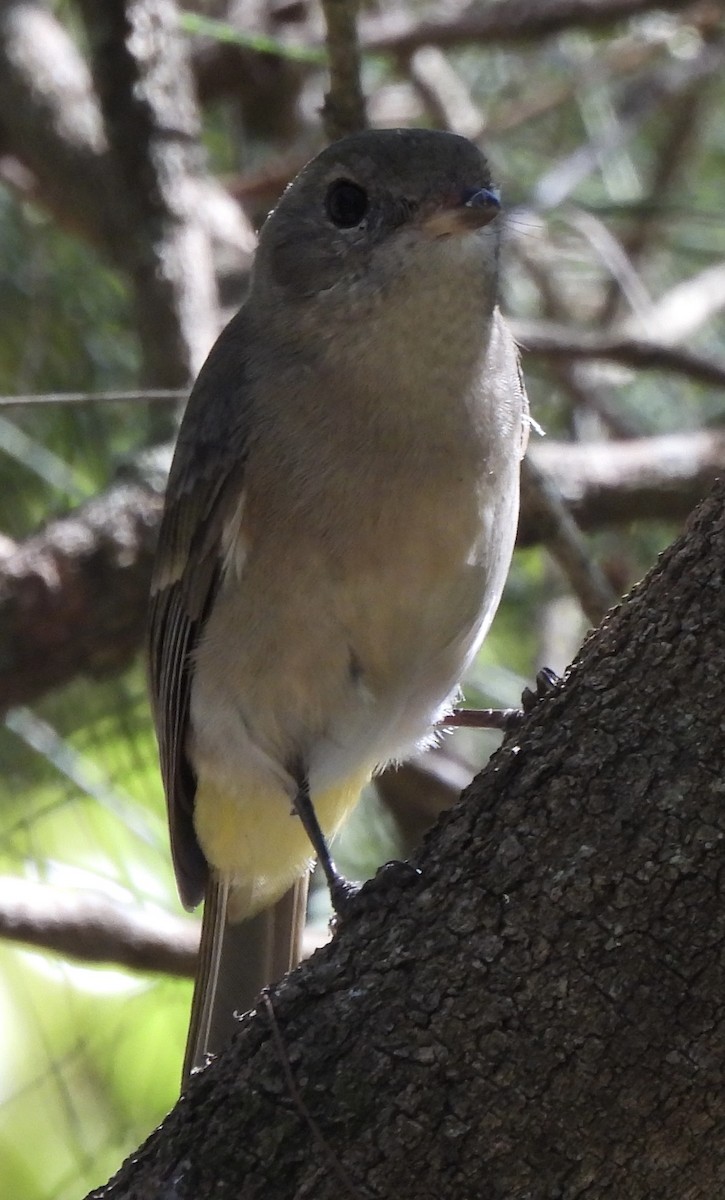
<point x="547" y="682"/>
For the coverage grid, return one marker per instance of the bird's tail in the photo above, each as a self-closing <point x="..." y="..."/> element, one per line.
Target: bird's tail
<point x="237" y="960"/>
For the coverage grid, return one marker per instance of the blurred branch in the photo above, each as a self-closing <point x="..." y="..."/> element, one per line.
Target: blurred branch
<point x="144" y="84"/>
<point x="73" y="597"/>
<point x="622" y="57"/>
<point x="558" y="530"/>
<point x="557" y="341"/>
<point x="580" y="381"/>
<point x="611" y="483"/>
<point x="92" y="929"/>
<point x="444" y="94"/>
<point x="50" y="120"/>
<point x="639" y="99"/>
<point x="508" y="21"/>
<point x="53" y="147"/>
<point x="419" y="790"/>
<point x="685" y="118"/>
<point x="682" y="310"/>
<point x="263" y="76"/>
<point x="224" y="67"/>
<point x="344" y="108"/>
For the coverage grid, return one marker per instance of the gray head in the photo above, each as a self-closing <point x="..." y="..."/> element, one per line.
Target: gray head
<point x="376" y="209"/>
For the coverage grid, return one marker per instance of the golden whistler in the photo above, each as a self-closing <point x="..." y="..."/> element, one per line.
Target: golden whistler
<point x="339" y="522"/>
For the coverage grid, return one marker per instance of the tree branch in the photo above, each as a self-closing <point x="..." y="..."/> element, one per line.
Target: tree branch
<point x="558" y="530"/>
<point x="555" y="341"/>
<point x="74" y="598"/>
<point x="540" y="1011"/>
<point x="49" y="118"/>
<point x="512" y="21"/>
<point x="53" y="147"/>
<point x="615" y="483"/>
<point x="344" y="108"/>
<point x="144" y="83"/>
<point x="92" y="929"/>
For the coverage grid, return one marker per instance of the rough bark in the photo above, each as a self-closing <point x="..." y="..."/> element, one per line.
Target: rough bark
<point x="73" y="599"/>
<point x="540" y="1012"/>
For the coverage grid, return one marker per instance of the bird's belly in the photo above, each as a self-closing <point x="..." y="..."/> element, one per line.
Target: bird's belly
<point x="251" y="835"/>
<point x="406" y="665"/>
<point x="346" y="659"/>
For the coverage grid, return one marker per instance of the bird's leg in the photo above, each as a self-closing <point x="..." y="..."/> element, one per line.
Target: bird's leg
<point x="505" y="719"/>
<point x="341" y="892"/>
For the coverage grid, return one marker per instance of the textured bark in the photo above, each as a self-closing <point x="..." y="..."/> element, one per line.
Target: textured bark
<point x="73" y="599"/>
<point x="540" y="1012"/>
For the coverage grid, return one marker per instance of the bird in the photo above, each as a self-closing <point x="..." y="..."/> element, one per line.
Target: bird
<point x="339" y="522"/>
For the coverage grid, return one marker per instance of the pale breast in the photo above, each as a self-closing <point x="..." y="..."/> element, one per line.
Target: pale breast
<point x="374" y="559"/>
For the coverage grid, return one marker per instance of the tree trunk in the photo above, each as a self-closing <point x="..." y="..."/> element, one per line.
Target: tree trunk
<point x="541" y="1012"/>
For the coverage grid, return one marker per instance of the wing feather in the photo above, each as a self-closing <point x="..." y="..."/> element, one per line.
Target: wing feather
<point x="204" y="490"/>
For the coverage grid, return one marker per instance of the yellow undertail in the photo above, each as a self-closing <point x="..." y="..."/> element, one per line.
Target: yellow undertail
<point x="258" y="843"/>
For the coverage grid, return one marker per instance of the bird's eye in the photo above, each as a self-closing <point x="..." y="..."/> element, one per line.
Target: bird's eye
<point x="346" y="203"/>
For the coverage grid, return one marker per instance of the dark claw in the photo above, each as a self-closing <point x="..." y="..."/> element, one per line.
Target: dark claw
<point x="547" y="682"/>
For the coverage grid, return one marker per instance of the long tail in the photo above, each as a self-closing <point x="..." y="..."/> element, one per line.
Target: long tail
<point x="237" y="960"/>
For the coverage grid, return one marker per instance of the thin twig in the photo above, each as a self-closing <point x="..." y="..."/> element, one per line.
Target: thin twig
<point x="565" y="543"/>
<point x="344" y="108"/>
<point x="334" y="1163"/>
<point x="133" y="396"/>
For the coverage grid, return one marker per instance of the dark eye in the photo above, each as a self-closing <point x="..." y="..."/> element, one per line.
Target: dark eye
<point x="346" y="203"/>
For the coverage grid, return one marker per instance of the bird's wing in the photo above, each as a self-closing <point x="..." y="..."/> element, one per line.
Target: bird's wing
<point x="504" y="368"/>
<point x="205" y="489"/>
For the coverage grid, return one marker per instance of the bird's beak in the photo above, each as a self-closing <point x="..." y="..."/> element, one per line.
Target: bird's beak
<point x="473" y="211"/>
